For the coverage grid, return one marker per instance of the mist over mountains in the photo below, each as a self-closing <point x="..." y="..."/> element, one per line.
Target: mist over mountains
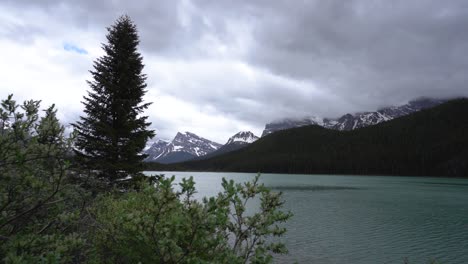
<point x="357" y="120"/>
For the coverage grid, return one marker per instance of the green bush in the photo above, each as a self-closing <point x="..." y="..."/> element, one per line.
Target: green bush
<point x="38" y="205"/>
<point x="162" y="225"/>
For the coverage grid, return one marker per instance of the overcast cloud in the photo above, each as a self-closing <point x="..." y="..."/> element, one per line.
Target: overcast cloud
<point x="216" y="67"/>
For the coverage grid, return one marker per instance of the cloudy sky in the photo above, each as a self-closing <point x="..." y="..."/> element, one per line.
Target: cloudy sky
<point x="216" y="67"/>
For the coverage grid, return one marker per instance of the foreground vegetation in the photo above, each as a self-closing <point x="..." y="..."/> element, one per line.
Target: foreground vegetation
<point x="431" y="142"/>
<point x="52" y="211"/>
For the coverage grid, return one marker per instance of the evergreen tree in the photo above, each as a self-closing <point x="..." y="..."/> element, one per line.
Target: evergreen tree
<point x="112" y="133"/>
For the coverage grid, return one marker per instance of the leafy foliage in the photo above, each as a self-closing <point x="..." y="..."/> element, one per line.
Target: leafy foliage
<point x="431" y="142"/>
<point x="112" y="134"/>
<point x="38" y="205"/>
<point x="162" y="225"/>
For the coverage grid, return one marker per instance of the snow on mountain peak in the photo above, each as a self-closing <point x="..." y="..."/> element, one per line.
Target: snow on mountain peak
<point x="243" y="137"/>
<point x="356" y="120"/>
<point x="155" y="143"/>
<point x="188" y="143"/>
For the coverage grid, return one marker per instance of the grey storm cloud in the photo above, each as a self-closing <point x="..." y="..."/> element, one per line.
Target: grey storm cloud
<point x="157" y="20"/>
<point x="369" y="52"/>
<point x="311" y="57"/>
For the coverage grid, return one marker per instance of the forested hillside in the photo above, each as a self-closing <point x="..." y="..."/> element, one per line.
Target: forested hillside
<point x="433" y="142"/>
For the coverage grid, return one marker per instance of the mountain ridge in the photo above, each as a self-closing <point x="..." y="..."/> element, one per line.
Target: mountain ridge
<point x="431" y="142"/>
<point x="184" y="146"/>
<point x="236" y="142"/>
<point x="242" y="137"/>
<point x="357" y="120"/>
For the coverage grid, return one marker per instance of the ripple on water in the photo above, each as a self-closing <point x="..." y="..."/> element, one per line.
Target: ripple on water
<point x="312" y="188"/>
<point x="367" y="220"/>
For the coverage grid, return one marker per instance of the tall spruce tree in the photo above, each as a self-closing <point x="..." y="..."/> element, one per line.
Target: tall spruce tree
<point x="113" y="133"/>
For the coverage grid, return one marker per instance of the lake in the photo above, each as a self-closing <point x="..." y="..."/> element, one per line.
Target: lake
<point x="364" y="219"/>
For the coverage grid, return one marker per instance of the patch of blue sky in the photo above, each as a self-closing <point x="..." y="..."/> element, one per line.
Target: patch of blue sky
<point x="74" y="48"/>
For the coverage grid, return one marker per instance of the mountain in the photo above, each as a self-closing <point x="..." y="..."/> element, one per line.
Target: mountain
<point x="184" y="146"/>
<point x="290" y="123"/>
<point x="242" y="138"/>
<point x="156" y="149"/>
<point x="357" y="120"/>
<point x="238" y="141"/>
<point x="430" y="142"/>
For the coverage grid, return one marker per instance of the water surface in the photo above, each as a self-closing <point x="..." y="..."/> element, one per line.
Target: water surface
<point x="365" y="219"/>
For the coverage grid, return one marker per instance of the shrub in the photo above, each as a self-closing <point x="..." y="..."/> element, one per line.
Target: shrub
<point x="38" y="206"/>
<point x="159" y="224"/>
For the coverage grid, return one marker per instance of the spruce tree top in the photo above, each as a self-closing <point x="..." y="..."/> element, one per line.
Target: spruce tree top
<point x="112" y="134"/>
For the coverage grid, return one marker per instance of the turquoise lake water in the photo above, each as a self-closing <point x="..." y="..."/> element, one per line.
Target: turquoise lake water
<point x="364" y="219"/>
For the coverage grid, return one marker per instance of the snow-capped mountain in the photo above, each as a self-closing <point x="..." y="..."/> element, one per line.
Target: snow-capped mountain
<point x="243" y="137"/>
<point x="238" y="141"/>
<point x="357" y="120"/>
<point x="193" y="144"/>
<point x="184" y="146"/>
<point x="156" y="148"/>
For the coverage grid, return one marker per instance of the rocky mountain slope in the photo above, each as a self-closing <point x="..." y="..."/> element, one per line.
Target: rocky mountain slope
<point x="238" y="141"/>
<point x="156" y="149"/>
<point x="243" y="137"/>
<point x="357" y="120"/>
<point x="184" y="146"/>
